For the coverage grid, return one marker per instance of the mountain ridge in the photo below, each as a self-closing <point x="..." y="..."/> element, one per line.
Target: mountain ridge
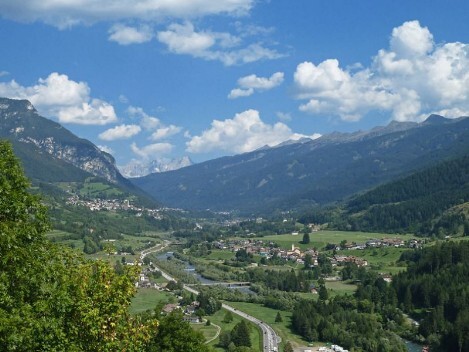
<point x="319" y="171"/>
<point x="50" y="153"/>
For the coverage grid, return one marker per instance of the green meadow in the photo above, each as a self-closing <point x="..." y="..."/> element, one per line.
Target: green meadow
<point x="321" y="238"/>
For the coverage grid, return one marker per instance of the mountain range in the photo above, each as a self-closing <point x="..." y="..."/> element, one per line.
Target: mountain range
<point x="311" y="172"/>
<point x="293" y="175"/>
<point x="137" y="168"/>
<point x="51" y="154"/>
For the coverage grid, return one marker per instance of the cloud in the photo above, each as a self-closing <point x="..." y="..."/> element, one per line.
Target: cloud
<point x="152" y="150"/>
<point x="148" y="122"/>
<point x="120" y="132"/>
<point x="65" y="13"/>
<point x="249" y="84"/>
<point x="125" y="35"/>
<point x="240" y="92"/>
<point x="213" y="46"/>
<point x="165" y="132"/>
<point x="244" y="133"/>
<point x="105" y="149"/>
<point x="65" y="99"/>
<point x="284" y="116"/>
<point x="182" y="39"/>
<point x="412" y="79"/>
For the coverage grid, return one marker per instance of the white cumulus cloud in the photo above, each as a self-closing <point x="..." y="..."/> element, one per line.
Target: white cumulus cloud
<point x="125" y="35"/>
<point x="66" y="13"/>
<point x="120" y="132"/>
<point x="146" y="121"/>
<point x="165" y="132"/>
<point x="214" y="46"/>
<point x="243" y="133"/>
<point x="412" y="79"/>
<point x="158" y="129"/>
<point x="151" y="151"/>
<point x="249" y="84"/>
<point x="60" y="97"/>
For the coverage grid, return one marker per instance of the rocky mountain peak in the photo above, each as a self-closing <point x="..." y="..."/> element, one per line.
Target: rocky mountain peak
<point x="21" y="124"/>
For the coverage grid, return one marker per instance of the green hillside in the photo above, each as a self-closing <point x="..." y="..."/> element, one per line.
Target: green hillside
<point x="434" y="201"/>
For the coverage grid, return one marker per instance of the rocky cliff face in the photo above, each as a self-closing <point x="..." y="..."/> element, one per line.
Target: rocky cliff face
<point x="21" y="123"/>
<point x="139" y="168"/>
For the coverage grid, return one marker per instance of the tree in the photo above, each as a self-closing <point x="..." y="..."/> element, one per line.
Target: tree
<point x="224" y="339"/>
<point x="322" y="292"/>
<point x="208" y="303"/>
<point x="176" y="335"/>
<point x="288" y="347"/>
<point x="228" y="318"/>
<point x="308" y="261"/>
<point x="240" y="334"/>
<point x="306" y="238"/>
<point x="278" y="318"/>
<point x="52" y="299"/>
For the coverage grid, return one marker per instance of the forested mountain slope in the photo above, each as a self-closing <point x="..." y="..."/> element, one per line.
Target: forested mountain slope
<point x="422" y="202"/>
<point x="321" y="171"/>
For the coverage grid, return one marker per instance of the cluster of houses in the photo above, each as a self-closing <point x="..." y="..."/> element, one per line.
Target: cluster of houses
<point x="334" y="348"/>
<point x="270" y="249"/>
<point x="189" y="311"/>
<point x="342" y="259"/>
<point x="97" y="204"/>
<point x="144" y="282"/>
<point x="295" y="254"/>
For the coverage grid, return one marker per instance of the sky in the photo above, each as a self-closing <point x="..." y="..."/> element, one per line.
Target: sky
<point x="150" y="79"/>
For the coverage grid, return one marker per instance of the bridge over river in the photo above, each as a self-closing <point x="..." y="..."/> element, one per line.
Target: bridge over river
<point x="270" y="338"/>
<point x="227" y="284"/>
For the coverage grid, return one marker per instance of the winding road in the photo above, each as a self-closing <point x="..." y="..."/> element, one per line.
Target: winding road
<point x="270" y="338"/>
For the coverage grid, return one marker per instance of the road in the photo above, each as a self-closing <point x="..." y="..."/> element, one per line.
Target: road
<point x="270" y="338"/>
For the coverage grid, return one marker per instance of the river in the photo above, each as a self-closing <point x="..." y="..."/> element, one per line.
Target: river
<point x="200" y="278"/>
<point x="413" y="347"/>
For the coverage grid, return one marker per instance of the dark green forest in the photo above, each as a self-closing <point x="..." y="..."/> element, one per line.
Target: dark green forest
<point x="435" y="288"/>
<point x="432" y="202"/>
<point x="434" y="291"/>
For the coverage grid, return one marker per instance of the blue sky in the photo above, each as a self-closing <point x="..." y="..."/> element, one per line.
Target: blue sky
<point x="146" y="79"/>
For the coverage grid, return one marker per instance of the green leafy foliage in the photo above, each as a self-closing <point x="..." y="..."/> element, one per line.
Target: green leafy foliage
<point x="176" y="335"/>
<point x="240" y="335"/>
<point x="346" y="323"/>
<point x="52" y="299"/>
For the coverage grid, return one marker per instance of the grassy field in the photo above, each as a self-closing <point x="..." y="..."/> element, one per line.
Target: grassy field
<point x="209" y="332"/>
<point x="268" y="315"/>
<point x="380" y="259"/>
<point x="217" y="318"/>
<point x="340" y="288"/>
<point x="148" y="298"/>
<point x="94" y="189"/>
<point x="321" y="238"/>
<point x="62" y="237"/>
<point x="219" y="254"/>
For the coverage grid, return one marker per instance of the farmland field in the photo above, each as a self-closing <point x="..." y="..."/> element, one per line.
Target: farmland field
<point x="321" y="238"/>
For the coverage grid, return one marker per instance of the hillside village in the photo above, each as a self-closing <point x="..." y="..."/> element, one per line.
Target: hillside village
<point x="270" y="250"/>
<point x="98" y="204"/>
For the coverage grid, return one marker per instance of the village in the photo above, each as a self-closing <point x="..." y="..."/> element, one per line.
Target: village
<point x="98" y="204"/>
<point x="296" y="254"/>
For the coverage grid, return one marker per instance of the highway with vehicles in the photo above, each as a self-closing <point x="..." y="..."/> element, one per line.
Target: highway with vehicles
<point x="270" y="338"/>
